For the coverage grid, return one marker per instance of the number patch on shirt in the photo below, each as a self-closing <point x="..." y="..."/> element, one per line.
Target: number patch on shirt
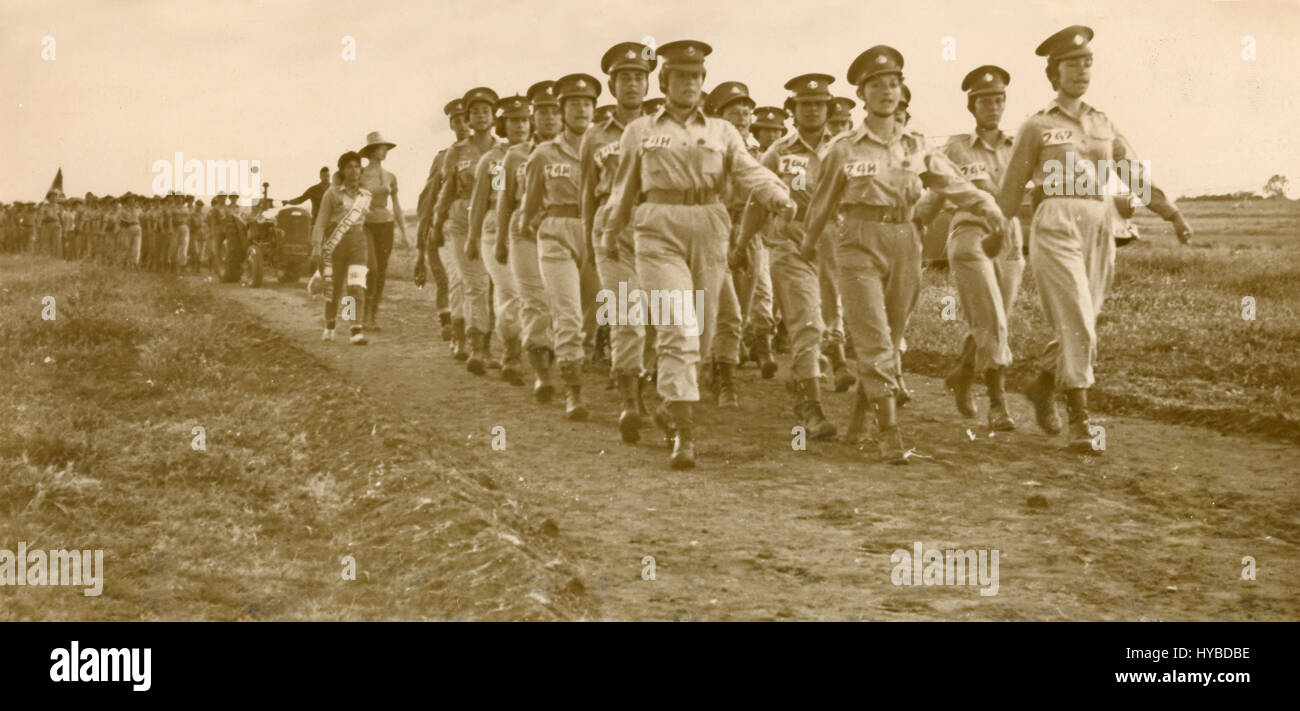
<point x="558" y="170"/>
<point x="656" y="141"/>
<point x="971" y="171"/>
<point x="793" y="165"/>
<point x="605" y="151"/>
<point x="860" y="169"/>
<point x="1058" y="137"/>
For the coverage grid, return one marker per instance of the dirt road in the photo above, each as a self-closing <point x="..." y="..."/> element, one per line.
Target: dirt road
<point x="1156" y="528"/>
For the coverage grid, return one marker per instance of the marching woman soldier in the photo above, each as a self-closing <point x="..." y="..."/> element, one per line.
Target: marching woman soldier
<point x="987" y="283"/>
<point x="445" y="280"/>
<point x="730" y="101"/>
<point x="1071" y="249"/>
<point x="520" y="250"/>
<point x="841" y="118"/>
<point x="673" y="168"/>
<point x="339" y="245"/>
<point x="451" y="226"/>
<point x="874" y="175"/>
<point x="629" y="78"/>
<point x="484" y="232"/>
<point x="769" y="125"/>
<point x="795" y="158"/>
<point x="551" y="196"/>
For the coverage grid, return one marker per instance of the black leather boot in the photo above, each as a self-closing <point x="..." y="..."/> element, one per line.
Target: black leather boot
<point x="999" y="419"/>
<point x="891" y="440"/>
<point x="629" y="420"/>
<point x="1041" y="393"/>
<point x="815" y="423"/>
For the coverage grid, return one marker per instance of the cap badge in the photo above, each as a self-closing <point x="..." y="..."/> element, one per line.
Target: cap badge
<point x="812" y="85"/>
<point x="880" y="59"/>
<point x="1078" y="39"/>
<point x="690" y="50"/>
<point x="581" y="84"/>
<point x="988" y="77"/>
<point x="631" y="54"/>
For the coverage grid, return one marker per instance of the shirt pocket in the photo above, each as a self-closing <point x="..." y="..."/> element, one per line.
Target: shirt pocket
<point x="710" y="159"/>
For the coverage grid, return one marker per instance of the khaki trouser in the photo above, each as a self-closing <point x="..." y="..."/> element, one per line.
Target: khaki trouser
<point x="798" y="294"/>
<point x="561" y="251"/>
<point x="681" y="249"/>
<point x="627" y="340"/>
<point x="474" y="281"/>
<point x="52" y="239"/>
<point x="756" y="298"/>
<point x="828" y="271"/>
<point x="134" y="242"/>
<point x="505" y="296"/>
<point x="183" y="245"/>
<point x="880" y="280"/>
<point x="986" y="289"/>
<point x="534" y="308"/>
<point x="1072" y="255"/>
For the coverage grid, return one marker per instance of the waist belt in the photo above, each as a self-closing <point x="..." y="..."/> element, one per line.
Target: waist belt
<point x="877" y="213"/>
<point x="694" y="196"/>
<point x="562" y="211"/>
<point x="1039" y="196"/>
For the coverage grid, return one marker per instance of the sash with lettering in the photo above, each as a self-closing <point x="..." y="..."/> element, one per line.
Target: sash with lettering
<point x="355" y="214"/>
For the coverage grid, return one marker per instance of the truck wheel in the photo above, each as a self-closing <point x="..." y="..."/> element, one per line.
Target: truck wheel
<point x="231" y="261"/>
<point x="251" y="269"/>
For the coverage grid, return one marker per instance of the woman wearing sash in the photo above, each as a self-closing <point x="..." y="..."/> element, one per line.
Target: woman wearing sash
<point x="339" y="246"/>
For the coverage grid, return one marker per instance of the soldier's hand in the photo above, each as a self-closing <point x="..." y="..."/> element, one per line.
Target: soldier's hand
<point x="786" y="210"/>
<point x="471" y="250"/>
<point x="737" y="259"/>
<point x="808" y="250"/>
<point x="1182" y="230"/>
<point x="610" y="245"/>
<point x="502" y="252"/>
<point x="992" y="245"/>
<point x="420" y="277"/>
<point x="438" y="239"/>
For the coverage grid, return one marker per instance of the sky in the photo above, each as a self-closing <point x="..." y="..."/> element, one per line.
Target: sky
<point x="1206" y="90"/>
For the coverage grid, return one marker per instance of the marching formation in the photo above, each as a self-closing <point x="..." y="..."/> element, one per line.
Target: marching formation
<point x="723" y="236"/>
<point x="810" y="236"/>
<point x="169" y="233"/>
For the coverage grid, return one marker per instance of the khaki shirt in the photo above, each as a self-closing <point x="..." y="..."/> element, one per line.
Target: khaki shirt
<point x="661" y="153"/>
<point x="861" y="168"/>
<point x="1050" y="135"/>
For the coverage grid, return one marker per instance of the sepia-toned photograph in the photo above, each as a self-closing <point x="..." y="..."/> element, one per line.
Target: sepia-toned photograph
<point x="661" y="311"/>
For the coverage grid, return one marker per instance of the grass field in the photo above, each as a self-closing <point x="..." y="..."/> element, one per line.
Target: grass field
<point x="1173" y="343"/>
<point x="97" y="418"/>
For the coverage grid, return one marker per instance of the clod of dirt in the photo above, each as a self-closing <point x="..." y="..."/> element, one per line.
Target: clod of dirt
<point x="549" y="528"/>
<point x="1036" y="502"/>
<point x="575" y="587"/>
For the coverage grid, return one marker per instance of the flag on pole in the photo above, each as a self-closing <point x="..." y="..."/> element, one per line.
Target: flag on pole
<point x="56" y="187"/>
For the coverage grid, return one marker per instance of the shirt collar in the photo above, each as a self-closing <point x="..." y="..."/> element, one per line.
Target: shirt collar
<point x="696" y="113"/>
<point x="1003" y="139"/>
<point x="796" y="138"/>
<point x="864" y="131"/>
<point x="1055" y="104"/>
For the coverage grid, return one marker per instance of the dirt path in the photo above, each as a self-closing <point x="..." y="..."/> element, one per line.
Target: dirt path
<point x="1156" y="528"/>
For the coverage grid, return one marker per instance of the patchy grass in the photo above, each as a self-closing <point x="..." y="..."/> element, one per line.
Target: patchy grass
<point x="1173" y="342"/>
<point x="97" y="420"/>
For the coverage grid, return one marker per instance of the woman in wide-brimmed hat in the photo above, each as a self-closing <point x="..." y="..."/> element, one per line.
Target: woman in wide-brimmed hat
<point x="380" y="220"/>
